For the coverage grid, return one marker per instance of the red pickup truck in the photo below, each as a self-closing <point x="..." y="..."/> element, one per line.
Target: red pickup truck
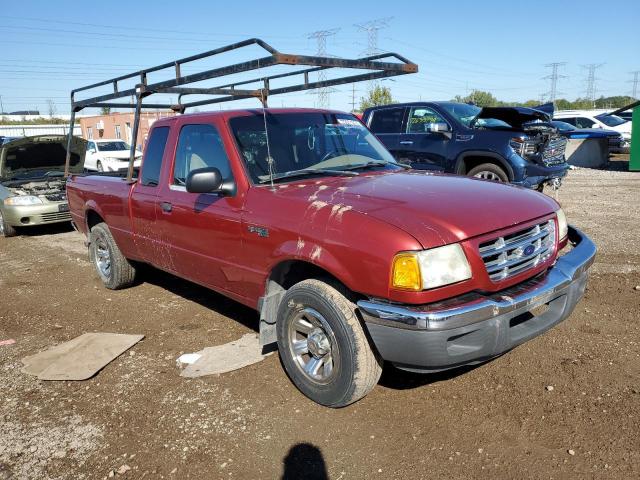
<point x="350" y="257"/>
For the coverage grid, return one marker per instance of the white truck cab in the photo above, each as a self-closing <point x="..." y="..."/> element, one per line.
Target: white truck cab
<point x="109" y="155"/>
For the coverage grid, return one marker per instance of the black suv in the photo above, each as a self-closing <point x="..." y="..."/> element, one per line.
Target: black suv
<point x="507" y="144"/>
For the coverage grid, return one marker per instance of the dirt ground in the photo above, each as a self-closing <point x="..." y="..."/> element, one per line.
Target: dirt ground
<point x="565" y="405"/>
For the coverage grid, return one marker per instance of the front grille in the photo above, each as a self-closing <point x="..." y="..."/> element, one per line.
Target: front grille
<point x="518" y="252"/>
<point x="56" y="197"/>
<point x="55" y="217"/>
<point x="553" y="152"/>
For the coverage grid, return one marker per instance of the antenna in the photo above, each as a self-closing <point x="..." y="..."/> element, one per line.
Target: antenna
<point x="591" y="80"/>
<point x="553" y="92"/>
<point x="321" y="37"/>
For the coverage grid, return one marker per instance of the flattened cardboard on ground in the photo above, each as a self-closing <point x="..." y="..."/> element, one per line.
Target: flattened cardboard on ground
<point x="80" y="358"/>
<point x="226" y="358"/>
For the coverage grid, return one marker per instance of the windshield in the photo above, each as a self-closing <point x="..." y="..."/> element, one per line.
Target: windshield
<point x="112" y="146"/>
<point x="563" y="126"/>
<point x="468" y="116"/>
<point x="611" y="120"/>
<point x="306" y="141"/>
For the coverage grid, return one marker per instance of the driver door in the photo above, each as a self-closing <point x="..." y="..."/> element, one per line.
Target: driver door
<point x="421" y="147"/>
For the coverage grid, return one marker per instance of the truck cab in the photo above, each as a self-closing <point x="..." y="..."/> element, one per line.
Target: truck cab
<point x="508" y="144"/>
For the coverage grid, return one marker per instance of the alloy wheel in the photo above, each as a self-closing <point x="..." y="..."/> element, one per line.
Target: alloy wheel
<point x="487" y="175"/>
<point x="102" y="258"/>
<point x="313" y="346"/>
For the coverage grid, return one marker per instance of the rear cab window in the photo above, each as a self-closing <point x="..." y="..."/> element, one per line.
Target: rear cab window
<point x="150" y="175"/>
<point x="387" y="120"/>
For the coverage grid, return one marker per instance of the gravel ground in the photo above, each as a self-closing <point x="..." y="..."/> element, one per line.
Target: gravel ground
<point x="565" y="405"/>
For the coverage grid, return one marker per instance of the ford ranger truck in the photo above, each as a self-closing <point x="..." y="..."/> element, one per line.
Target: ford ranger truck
<point x="350" y="258"/>
<point x="517" y="145"/>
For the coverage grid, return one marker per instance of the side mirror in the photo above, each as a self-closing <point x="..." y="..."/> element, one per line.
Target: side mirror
<point x="209" y="180"/>
<point x="438" y="127"/>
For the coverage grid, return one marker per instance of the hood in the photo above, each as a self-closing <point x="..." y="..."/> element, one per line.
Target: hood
<point x="46" y="153"/>
<point x="514" y="116"/>
<point x="548" y="108"/>
<point x="590" y="132"/>
<point x="435" y="209"/>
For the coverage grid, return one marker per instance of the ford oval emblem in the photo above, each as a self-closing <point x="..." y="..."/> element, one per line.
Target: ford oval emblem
<point x="529" y="250"/>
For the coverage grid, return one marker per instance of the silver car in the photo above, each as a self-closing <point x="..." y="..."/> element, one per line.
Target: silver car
<point x="32" y="183"/>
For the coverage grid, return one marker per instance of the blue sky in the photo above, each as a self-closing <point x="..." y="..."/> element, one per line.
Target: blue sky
<point x="498" y="46"/>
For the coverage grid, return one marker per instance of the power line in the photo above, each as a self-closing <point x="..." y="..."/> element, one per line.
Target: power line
<point x="321" y="38"/>
<point x="591" y="80"/>
<point x="553" y="90"/>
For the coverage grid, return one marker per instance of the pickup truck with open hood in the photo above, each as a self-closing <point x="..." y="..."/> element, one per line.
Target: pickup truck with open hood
<point x="32" y="187"/>
<point x="517" y="145"/>
<point x="351" y="258"/>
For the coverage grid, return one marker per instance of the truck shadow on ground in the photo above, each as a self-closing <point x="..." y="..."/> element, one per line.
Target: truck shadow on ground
<point x="397" y="379"/>
<point x="201" y="295"/>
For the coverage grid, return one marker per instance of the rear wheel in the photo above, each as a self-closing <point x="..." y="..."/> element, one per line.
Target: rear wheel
<point x="113" y="268"/>
<point x="323" y="345"/>
<point x="489" y="171"/>
<point x="6" y="230"/>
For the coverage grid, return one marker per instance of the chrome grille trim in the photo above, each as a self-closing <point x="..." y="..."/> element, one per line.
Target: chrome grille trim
<point x="507" y="255"/>
<point x="55" y="217"/>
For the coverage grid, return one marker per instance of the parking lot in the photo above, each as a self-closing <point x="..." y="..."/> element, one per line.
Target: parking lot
<point x="565" y="405"/>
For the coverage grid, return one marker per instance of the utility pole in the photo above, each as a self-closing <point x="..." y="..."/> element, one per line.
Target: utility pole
<point x="1" y="105"/>
<point x="591" y="81"/>
<point x="634" y="91"/>
<point x="553" y="90"/>
<point x="353" y="97"/>
<point x="321" y="37"/>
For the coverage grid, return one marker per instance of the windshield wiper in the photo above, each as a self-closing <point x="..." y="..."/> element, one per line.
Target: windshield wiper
<point x="310" y="171"/>
<point x="375" y="163"/>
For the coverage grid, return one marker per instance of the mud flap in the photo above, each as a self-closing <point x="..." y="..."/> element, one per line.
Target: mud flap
<point x="268" y="307"/>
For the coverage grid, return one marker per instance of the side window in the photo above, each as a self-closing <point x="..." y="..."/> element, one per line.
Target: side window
<point x="582" y="122"/>
<point x="569" y="120"/>
<point x="388" y="120"/>
<point x="199" y="146"/>
<point x="153" y="156"/>
<point x="421" y="119"/>
<point x="91" y="146"/>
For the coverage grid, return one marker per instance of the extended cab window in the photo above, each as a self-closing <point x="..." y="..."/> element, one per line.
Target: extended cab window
<point x="421" y="119"/>
<point x="153" y="157"/>
<point x="388" y="120"/>
<point x="199" y="146"/>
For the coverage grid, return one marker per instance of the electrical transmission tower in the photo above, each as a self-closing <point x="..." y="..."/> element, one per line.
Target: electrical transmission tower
<point x="321" y="38"/>
<point x="372" y="27"/>
<point x="553" y="90"/>
<point x="591" y="80"/>
<point x="635" y="81"/>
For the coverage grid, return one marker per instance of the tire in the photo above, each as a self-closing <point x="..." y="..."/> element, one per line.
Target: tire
<point x="113" y="268"/>
<point x="6" y="230"/>
<point x="99" y="166"/>
<point x="540" y="188"/>
<point x="318" y="327"/>
<point x="489" y="171"/>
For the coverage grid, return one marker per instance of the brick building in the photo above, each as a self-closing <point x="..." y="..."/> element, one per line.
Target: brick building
<point x="119" y="125"/>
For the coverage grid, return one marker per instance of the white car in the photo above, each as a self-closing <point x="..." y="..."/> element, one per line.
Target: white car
<point x="595" y="119"/>
<point x="109" y="155"/>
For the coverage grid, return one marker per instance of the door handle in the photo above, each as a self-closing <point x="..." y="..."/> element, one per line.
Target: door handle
<point x="406" y="142"/>
<point x="166" y="207"/>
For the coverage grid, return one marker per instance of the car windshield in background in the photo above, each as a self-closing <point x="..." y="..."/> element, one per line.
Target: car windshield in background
<point x="563" y="126"/>
<point x="611" y="120"/>
<point x="112" y="146"/>
<point x="304" y="142"/>
<point x="467" y="115"/>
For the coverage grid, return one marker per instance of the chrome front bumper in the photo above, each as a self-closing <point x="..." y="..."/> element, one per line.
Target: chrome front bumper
<point x="475" y="327"/>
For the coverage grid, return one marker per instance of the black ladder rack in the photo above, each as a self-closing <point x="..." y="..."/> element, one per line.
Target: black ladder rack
<point x="378" y="68"/>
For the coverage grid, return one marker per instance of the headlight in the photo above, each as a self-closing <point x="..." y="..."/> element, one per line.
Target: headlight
<point x="563" y="226"/>
<point x="22" y="200"/>
<point x="430" y="268"/>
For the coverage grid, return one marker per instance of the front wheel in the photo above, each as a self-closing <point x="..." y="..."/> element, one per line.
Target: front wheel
<point x="113" y="268"/>
<point x="489" y="171"/>
<point x="6" y="230"/>
<point x="323" y="345"/>
<point x="99" y="166"/>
